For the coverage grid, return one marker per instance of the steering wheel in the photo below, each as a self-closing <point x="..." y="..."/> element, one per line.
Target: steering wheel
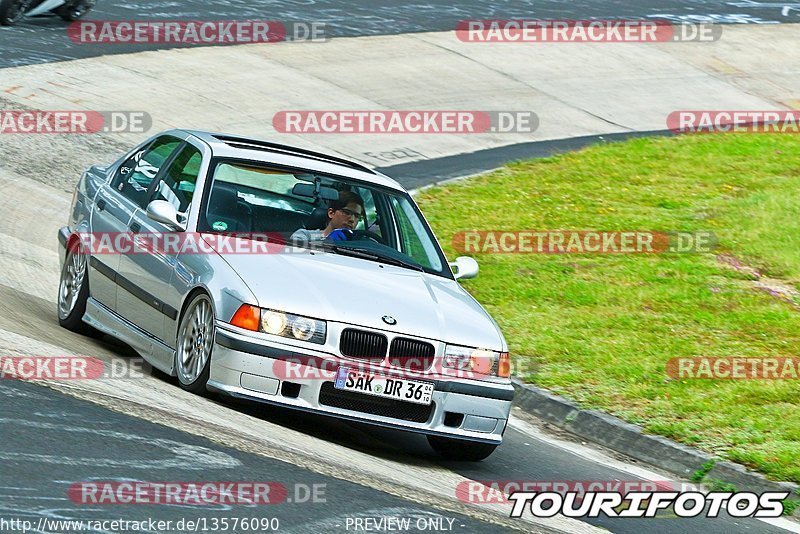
<point x="366" y="234"/>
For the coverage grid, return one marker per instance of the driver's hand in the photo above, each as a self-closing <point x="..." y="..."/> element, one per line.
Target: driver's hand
<point x="342" y="234"/>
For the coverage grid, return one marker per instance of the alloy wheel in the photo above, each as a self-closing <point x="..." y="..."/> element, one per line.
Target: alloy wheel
<point x="195" y="340"/>
<point x="72" y="277"/>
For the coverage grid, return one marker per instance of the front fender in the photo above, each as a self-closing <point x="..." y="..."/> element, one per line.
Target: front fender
<point x="212" y="274"/>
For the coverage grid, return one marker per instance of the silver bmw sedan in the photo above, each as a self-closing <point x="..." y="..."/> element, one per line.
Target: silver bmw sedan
<point x="285" y="276"/>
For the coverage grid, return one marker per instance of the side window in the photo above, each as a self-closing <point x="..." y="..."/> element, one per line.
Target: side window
<point x="177" y="184"/>
<point x="136" y="174"/>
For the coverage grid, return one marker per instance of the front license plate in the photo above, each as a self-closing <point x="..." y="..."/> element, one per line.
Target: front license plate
<point x="383" y="386"/>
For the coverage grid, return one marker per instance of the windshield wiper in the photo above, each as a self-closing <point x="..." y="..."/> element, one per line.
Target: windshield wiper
<point x="373" y="256"/>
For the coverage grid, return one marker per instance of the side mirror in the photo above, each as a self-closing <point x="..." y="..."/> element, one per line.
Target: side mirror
<point x="464" y="268"/>
<point x="165" y="213"/>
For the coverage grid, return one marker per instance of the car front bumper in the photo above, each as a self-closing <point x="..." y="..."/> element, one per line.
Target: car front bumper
<point x="63" y="237"/>
<point x="257" y="370"/>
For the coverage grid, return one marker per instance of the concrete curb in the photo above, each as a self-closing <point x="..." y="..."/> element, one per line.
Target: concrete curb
<point x="630" y="440"/>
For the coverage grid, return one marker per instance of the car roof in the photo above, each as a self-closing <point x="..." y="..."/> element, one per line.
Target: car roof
<point x="240" y="147"/>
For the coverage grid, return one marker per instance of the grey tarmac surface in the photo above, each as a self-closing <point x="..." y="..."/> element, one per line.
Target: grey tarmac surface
<point x="44" y="39"/>
<point x="59" y="441"/>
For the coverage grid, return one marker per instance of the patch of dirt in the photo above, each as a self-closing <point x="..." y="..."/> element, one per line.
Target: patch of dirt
<point x="777" y="288"/>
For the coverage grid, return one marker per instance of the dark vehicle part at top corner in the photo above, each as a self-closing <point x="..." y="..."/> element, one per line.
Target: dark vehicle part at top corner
<point x="12" y="11"/>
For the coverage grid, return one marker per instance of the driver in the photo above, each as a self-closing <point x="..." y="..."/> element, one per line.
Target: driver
<point x="343" y="216"/>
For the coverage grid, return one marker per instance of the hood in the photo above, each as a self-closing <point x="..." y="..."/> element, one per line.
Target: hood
<point x="360" y="292"/>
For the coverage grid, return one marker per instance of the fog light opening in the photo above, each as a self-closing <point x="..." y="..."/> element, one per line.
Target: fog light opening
<point x="290" y="390"/>
<point x="453" y="419"/>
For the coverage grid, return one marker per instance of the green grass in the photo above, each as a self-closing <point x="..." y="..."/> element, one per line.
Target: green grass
<point x="600" y="328"/>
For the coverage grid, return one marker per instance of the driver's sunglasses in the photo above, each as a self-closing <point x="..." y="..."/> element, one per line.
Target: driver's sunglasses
<point x="351" y="213"/>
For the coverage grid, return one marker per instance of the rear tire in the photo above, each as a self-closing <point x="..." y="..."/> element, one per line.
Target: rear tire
<point x="12" y="11"/>
<point x="460" y="449"/>
<point x="75" y="9"/>
<point x="73" y="290"/>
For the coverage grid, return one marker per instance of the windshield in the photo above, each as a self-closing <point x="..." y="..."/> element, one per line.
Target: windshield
<point x="304" y="209"/>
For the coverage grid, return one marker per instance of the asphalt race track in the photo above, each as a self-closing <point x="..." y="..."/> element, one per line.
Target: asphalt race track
<point x="96" y="444"/>
<point x="44" y="39"/>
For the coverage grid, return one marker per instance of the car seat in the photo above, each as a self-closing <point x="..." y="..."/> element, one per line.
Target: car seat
<point x="226" y="212"/>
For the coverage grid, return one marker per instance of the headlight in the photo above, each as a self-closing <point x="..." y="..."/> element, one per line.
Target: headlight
<point x="293" y="326"/>
<point x="480" y="361"/>
<point x="280" y="323"/>
<point x="273" y="322"/>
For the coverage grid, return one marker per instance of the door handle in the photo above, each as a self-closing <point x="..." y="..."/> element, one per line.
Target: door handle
<point x="135" y="227"/>
<point x="101" y="204"/>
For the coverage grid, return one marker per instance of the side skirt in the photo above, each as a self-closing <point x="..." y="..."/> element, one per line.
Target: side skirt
<point x="153" y="350"/>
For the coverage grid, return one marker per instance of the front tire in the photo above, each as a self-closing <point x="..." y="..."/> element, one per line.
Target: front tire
<point x="194" y="343"/>
<point x="12" y="11"/>
<point x="460" y="449"/>
<point x="73" y="290"/>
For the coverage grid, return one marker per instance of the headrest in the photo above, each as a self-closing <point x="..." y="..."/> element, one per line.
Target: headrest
<point x="318" y="219"/>
<point x="224" y="199"/>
